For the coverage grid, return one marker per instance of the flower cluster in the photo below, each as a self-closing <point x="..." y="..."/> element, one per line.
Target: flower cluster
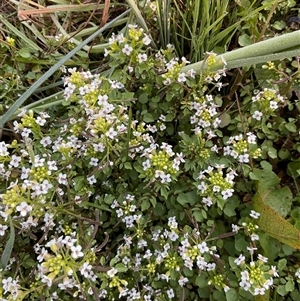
<point x="256" y="277"/>
<point x="205" y="113"/>
<point x="162" y="163"/>
<point x="214" y="186"/>
<point x="242" y="149"/>
<point x="265" y="103"/>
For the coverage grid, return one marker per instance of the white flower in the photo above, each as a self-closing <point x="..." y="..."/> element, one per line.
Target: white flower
<point x="254" y="214"/>
<point x="203" y="248"/>
<point x="207" y="201"/>
<point x="251" y="138"/>
<point x="245" y="285"/>
<point x="262" y="258"/>
<point x="142" y="57"/>
<point x="112" y="272"/>
<point x="127" y="49"/>
<point x="102" y="100"/>
<point x="111" y="133"/>
<point x="244" y="158"/>
<point x="273" y="272"/>
<point x="85" y="270"/>
<point x="182" y="281"/>
<point x="227" y="193"/>
<point x="170" y="293"/>
<point x="25" y="173"/>
<point x="259" y="291"/>
<point x="202" y="187"/>
<point x="62" y="179"/>
<point x="92" y="180"/>
<point x="2" y="229"/>
<point x="254" y="237"/>
<point x="245" y="275"/>
<point x="240" y="260"/>
<point x="235" y="228"/>
<point x="191" y="73"/>
<point x="181" y="78"/>
<point x="146" y="40"/>
<point x="76" y="251"/>
<point x="257" y="115"/>
<point x="15" y="161"/>
<point x="166" y="178"/>
<point x="24" y="208"/>
<point x="52" y="165"/>
<point x="273" y="105"/>
<point x="94" y="161"/>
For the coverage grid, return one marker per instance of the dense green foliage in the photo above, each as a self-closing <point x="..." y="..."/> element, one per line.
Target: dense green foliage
<point x="149" y="179"/>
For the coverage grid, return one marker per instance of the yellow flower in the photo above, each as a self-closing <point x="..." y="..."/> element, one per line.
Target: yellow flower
<point x="10" y="41"/>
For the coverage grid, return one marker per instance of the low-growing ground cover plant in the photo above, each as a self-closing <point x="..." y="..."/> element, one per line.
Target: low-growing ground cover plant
<point x="156" y="181"/>
<point x="144" y="188"/>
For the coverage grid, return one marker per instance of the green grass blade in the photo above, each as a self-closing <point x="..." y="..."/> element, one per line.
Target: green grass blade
<point x="138" y="14"/>
<point x="9" y="246"/>
<point x="54" y="68"/>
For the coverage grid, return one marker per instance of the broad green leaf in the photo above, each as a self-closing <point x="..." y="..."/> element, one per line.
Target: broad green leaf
<point x="273" y="224"/>
<point x="225" y="120"/>
<point x="9" y="245"/>
<point x="280" y="200"/>
<point x="121" y="267"/>
<point x="245" y="40"/>
<point x="148" y="117"/>
<point x="24" y="52"/>
<point x="272" y="152"/>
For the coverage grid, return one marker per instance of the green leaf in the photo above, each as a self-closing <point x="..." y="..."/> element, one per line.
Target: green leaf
<point x="127" y="165"/>
<point x="289" y="286"/>
<point x="232" y="295"/>
<point x="272" y="152"/>
<point x="164" y="192"/>
<point x="79" y="181"/>
<point x="280" y="200"/>
<point x="266" y="165"/>
<point x="148" y="117"/>
<point x="291" y="127"/>
<point x="198" y="216"/>
<point x="279" y="25"/>
<point x="121" y="267"/>
<point x="270" y="245"/>
<point x="143" y="98"/>
<point x="9" y="245"/>
<point x="201" y="281"/>
<point x="281" y="290"/>
<point x="145" y="205"/>
<point x="187" y="198"/>
<point x="225" y="119"/>
<point x="281" y="264"/>
<point x="293" y="169"/>
<point x="24" y="52"/>
<point x="284" y="154"/>
<point x="272" y="223"/>
<point x="159" y="210"/>
<point x="245" y="40"/>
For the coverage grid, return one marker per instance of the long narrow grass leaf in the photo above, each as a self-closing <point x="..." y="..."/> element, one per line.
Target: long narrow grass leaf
<point x="138" y="14"/>
<point x="9" y="245"/>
